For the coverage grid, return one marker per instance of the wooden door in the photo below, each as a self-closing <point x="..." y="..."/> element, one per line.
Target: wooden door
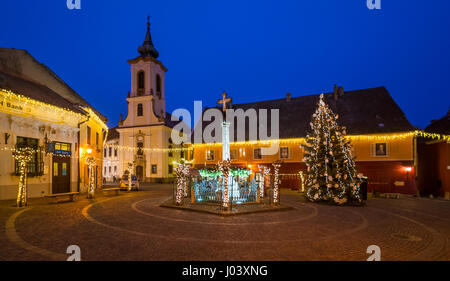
<point x="61" y="174"/>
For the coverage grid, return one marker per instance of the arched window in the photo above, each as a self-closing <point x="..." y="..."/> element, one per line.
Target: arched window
<point x="141" y="80"/>
<point x="158" y="85"/>
<point x="140" y="110"/>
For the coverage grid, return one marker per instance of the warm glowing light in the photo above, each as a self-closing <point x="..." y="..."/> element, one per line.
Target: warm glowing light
<point x="408" y="169"/>
<point x="249" y="166"/>
<point x="89" y="150"/>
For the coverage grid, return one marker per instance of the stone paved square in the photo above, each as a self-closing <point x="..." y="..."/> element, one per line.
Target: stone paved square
<point x="132" y="226"/>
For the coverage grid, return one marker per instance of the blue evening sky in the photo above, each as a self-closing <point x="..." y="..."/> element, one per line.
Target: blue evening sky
<point x="254" y="50"/>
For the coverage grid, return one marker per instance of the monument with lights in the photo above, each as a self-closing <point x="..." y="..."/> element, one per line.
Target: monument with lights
<point x="225" y="188"/>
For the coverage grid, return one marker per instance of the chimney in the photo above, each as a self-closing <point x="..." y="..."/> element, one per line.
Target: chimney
<point x="288" y="97"/>
<point x="335" y="92"/>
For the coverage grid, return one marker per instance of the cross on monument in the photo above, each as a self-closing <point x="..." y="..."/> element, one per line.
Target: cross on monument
<point x="224" y="101"/>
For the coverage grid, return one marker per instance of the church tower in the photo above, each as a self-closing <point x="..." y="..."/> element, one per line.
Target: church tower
<point x="146" y="101"/>
<point x="145" y="132"/>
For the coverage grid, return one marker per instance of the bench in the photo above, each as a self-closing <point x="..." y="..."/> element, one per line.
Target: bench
<point x="390" y="195"/>
<point x="57" y="195"/>
<point x="116" y="190"/>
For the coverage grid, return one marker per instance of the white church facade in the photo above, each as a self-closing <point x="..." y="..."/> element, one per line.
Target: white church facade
<point x="145" y="133"/>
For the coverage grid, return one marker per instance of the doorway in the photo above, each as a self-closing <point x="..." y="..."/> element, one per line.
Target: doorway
<point x="139" y="172"/>
<point x="61" y="174"/>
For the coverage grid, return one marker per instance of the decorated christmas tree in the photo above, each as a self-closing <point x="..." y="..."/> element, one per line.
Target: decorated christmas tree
<point x="331" y="174"/>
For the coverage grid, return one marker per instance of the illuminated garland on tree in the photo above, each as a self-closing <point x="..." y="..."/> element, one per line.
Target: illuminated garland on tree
<point x="209" y="173"/>
<point x="276" y="189"/>
<point x="331" y="173"/>
<point x="302" y="181"/>
<point x="23" y="155"/>
<point x="90" y="161"/>
<point x="181" y="172"/>
<point x="224" y="167"/>
<point x="242" y="173"/>
<point x="265" y="172"/>
<point x="130" y="169"/>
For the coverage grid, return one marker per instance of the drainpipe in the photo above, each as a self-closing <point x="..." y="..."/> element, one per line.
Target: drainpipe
<point x="78" y="150"/>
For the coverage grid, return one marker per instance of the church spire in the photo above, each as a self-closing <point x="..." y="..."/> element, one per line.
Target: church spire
<point x="147" y="49"/>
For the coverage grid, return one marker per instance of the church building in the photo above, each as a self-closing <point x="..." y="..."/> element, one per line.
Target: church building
<point x="145" y="144"/>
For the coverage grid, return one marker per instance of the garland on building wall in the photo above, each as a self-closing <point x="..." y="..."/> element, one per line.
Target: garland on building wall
<point x="23" y="155"/>
<point x="331" y="171"/>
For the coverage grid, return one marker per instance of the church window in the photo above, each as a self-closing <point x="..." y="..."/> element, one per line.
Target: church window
<point x="154" y="169"/>
<point x="158" y="85"/>
<point x="140" y="110"/>
<point x="141" y="80"/>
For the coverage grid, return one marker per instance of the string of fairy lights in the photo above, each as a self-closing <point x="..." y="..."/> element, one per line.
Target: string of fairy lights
<point x="182" y="171"/>
<point x="224" y="168"/>
<point x="293" y="141"/>
<point x="276" y="182"/>
<point x="23" y="155"/>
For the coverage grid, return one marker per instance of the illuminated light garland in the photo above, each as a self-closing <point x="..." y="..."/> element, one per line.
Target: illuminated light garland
<point x="265" y="171"/>
<point x="241" y="172"/>
<point x="130" y="175"/>
<point x="94" y="116"/>
<point x="23" y="155"/>
<point x="331" y="171"/>
<point x="209" y="173"/>
<point x="372" y="137"/>
<point x="424" y="134"/>
<point x="69" y="114"/>
<point x="276" y="190"/>
<point x="182" y="171"/>
<point x="224" y="167"/>
<point x="90" y="161"/>
<point x="302" y="181"/>
<point x="135" y="148"/>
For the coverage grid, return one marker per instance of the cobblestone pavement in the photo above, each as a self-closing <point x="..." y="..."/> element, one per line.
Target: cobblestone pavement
<point x="132" y="226"/>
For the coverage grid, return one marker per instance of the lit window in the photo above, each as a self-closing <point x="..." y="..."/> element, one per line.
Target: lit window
<point x="284" y="152"/>
<point x="257" y="154"/>
<point x="210" y="155"/>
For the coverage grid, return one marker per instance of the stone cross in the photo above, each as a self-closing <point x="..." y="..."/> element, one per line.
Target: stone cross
<point x="224" y="101"/>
